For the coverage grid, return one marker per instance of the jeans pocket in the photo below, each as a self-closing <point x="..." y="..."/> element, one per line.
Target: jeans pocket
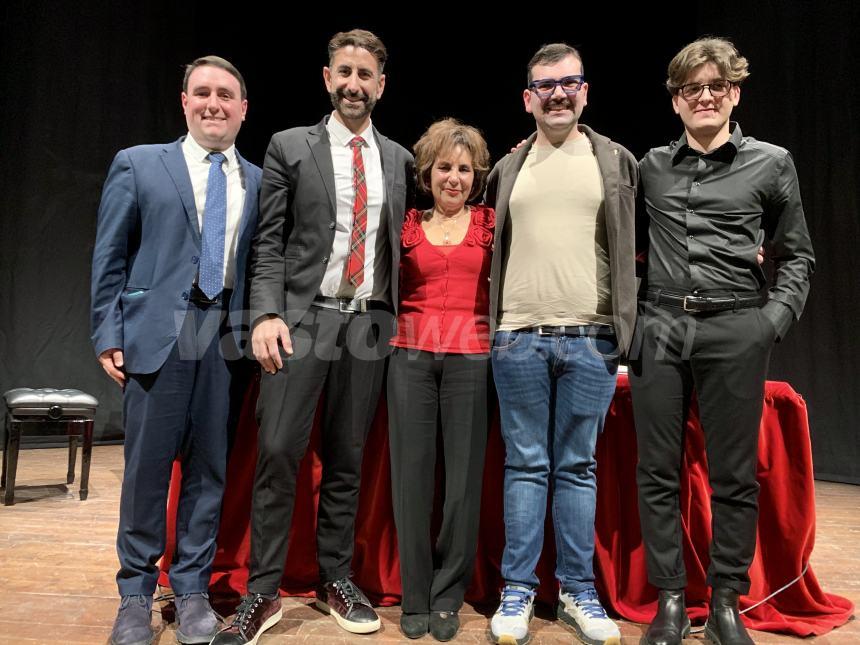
<point x="505" y="340"/>
<point x="606" y="347"/>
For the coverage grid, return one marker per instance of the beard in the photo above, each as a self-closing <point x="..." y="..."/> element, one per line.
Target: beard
<point x="352" y="111"/>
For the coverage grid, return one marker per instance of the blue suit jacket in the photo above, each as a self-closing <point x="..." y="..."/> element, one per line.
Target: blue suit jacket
<point x="147" y="252"/>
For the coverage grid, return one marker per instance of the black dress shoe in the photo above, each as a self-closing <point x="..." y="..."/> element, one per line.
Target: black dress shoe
<point x="444" y="624"/>
<point x="724" y="626"/>
<point x="350" y="608"/>
<point x="671" y="624"/>
<point x="414" y="625"/>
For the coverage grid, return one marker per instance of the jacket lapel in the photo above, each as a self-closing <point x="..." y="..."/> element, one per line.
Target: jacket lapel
<point x="607" y="161"/>
<point x="250" y="198"/>
<point x="507" y="180"/>
<point x="386" y="155"/>
<point x="320" y="146"/>
<point x="174" y="162"/>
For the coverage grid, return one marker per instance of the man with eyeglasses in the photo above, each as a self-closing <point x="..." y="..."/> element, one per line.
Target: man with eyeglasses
<point x="712" y="198"/>
<point x="562" y="308"/>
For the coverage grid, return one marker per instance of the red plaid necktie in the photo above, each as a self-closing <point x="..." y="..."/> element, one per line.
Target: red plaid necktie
<point x="355" y="259"/>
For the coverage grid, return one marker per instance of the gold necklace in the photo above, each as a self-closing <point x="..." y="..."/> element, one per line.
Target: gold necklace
<point x="446" y="232"/>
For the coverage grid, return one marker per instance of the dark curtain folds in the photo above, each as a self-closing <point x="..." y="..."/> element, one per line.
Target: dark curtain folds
<point x="83" y="80"/>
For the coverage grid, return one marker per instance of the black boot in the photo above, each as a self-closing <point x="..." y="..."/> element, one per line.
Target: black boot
<point x="724" y="626"/>
<point x="671" y="624"/>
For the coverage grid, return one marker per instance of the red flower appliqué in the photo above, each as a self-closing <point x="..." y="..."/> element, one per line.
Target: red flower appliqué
<point x="411" y="234"/>
<point x="481" y="232"/>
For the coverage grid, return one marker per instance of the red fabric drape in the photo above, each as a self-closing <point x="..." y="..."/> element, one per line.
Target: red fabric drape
<point x="786" y="527"/>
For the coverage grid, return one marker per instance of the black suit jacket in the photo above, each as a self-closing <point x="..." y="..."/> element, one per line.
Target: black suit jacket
<point x="298" y="215"/>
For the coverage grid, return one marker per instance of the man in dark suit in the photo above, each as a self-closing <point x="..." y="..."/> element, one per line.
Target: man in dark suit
<point x="323" y="289"/>
<point x="174" y="233"/>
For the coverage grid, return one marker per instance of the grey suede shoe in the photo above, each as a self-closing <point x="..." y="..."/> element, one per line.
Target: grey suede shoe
<point x="132" y="624"/>
<point x="196" y="622"/>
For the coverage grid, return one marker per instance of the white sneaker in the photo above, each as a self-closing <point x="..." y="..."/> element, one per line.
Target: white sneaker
<point x="586" y="615"/>
<point x="510" y="623"/>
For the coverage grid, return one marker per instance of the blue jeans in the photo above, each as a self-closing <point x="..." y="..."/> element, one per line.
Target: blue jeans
<point x="554" y="392"/>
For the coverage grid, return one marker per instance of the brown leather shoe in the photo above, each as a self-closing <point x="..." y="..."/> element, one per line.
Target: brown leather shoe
<point x="255" y="615"/>
<point x="350" y="608"/>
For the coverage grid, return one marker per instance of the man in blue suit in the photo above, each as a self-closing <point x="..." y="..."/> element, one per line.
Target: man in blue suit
<point x="168" y="293"/>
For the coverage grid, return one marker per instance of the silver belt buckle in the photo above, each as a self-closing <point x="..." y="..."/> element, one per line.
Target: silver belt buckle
<point x="541" y="332"/>
<point x="685" y="308"/>
<point x="351" y="306"/>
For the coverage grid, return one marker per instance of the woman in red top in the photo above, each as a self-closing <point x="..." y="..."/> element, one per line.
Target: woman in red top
<point x="439" y="369"/>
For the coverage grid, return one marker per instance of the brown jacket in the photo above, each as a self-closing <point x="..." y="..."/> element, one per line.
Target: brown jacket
<point x="620" y="174"/>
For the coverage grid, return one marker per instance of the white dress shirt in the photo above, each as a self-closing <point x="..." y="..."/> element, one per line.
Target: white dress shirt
<point x="375" y="265"/>
<point x="196" y="158"/>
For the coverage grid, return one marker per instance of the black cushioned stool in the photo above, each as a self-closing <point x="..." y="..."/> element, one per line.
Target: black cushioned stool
<point x="47" y="411"/>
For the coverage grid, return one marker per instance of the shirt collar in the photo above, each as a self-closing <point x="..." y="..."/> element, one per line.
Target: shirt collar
<point x="199" y="153"/>
<point x="725" y="152"/>
<point x="340" y="135"/>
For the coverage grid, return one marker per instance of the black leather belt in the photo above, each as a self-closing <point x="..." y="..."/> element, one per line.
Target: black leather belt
<point x="571" y="330"/>
<point x="345" y="305"/>
<point x="197" y="296"/>
<point x="693" y="303"/>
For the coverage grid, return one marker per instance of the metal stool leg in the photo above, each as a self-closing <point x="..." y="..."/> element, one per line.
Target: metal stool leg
<point x="86" y="457"/>
<point x="12" y="459"/>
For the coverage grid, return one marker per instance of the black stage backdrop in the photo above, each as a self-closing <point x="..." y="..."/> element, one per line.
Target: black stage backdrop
<point x="82" y="80"/>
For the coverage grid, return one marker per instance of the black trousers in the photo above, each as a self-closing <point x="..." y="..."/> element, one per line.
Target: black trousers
<point x="724" y="357"/>
<point x="423" y="389"/>
<point x="342" y="357"/>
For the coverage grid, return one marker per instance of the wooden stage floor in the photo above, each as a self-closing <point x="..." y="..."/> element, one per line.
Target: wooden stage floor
<point x="58" y="562"/>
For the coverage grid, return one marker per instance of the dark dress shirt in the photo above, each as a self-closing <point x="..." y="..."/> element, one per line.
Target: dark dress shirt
<point x="708" y="214"/>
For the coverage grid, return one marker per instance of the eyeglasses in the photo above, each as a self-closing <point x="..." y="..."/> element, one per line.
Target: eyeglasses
<point x="545" y="87"/>
<point x="692" y="91"/>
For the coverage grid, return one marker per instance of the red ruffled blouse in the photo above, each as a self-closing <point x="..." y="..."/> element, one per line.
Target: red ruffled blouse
<point x="445" y="290"/>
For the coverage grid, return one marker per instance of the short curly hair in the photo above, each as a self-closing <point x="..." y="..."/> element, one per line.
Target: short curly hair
<point x="709" y="49"/>
<point x="440" y="137"/>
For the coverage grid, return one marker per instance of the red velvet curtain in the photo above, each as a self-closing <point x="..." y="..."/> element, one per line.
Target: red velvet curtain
<point x="786" y="528"/>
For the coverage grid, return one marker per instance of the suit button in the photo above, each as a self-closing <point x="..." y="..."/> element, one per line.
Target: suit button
<point x="194" y="259"/>
<point x="331" y="224"/>
<point x="325" y="260"/>
<point x="185" y="295"/>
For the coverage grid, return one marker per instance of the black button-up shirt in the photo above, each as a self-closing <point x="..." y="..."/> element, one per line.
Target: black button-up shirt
<point x="708" y="214"/>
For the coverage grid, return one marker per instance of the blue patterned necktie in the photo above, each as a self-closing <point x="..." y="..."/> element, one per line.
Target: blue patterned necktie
<point x="211" y="280"/>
